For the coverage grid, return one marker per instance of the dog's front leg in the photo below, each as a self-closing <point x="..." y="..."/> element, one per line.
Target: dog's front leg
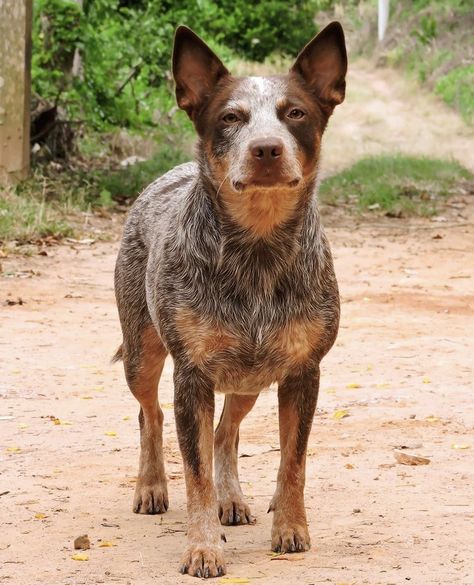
<point x="194" y="411"/>
<point x="297" y="396"/>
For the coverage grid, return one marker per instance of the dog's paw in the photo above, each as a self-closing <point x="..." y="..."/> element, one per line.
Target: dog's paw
<point x="203" y="561"/>
<point x="150" y="498"/>
<point x="288" y="537"/>
<point x="234" y="511"/>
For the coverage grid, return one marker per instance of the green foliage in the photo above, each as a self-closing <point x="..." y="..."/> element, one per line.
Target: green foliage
<point x="395" y="184"/>
<point x="25" y="217"/>
<point x="457" y="89"/>
<point x="125" y="48"/>
<point x="127" y="183"/>
<point x="256" y="29"/>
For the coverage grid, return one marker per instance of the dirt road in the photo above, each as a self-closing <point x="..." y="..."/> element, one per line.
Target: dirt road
<point x="401" y="370"/>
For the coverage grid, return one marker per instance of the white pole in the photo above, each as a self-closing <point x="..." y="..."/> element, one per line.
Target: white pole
<point x="384" y="10"/>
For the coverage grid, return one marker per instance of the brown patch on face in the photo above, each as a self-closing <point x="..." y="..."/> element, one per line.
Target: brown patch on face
<point x="203" y="340"/>
<point x="298" y="339"/>
<point x="260" y="210"/>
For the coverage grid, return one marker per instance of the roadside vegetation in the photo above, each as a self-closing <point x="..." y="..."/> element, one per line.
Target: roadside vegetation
<point x="397" y="186"/>
<point x="105" y="123"/>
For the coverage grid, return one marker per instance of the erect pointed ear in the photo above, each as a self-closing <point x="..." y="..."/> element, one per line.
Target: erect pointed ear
<point x="323" y="65"/>
<point x="196" y="70"/>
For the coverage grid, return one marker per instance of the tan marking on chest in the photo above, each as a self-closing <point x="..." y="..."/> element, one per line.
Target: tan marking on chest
<point x="260" y="211"/>
<point x="203" y="339"/>
<point x="297" y="340"/>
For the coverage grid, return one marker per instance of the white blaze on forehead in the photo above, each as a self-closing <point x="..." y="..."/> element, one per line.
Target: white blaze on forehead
<point x="260" y="98"/>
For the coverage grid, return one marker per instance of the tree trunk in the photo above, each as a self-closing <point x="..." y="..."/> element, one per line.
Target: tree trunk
<point x="15" y="82"/>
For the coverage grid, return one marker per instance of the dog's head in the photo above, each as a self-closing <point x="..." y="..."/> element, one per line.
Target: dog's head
<point x="260" y="136"/>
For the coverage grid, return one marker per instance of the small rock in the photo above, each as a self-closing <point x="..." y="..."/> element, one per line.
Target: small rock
<point x="356" y="511"/>
<point x="82" y="542"/>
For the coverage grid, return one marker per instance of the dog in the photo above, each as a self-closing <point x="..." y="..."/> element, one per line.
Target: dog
<point x="224" y="265"/>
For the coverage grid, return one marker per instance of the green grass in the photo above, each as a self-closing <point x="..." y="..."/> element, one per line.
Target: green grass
<point x="397" y="185"/>
<point x="457" y="89"/>
<point x="51" y="200"/>
<point x="26" y="218"/>
<point x="127" y="183"/>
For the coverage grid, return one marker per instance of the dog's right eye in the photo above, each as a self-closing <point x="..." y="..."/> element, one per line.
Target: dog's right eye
<point x="230" y="118"/>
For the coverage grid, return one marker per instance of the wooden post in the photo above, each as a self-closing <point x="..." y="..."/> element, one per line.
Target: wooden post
<point x="15" y="88"/>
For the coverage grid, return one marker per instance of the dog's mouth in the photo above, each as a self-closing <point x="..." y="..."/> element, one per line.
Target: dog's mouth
<point x="266" y="183"/>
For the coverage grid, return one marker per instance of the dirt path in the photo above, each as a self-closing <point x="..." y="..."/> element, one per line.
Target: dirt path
<point x="402" y="369"/>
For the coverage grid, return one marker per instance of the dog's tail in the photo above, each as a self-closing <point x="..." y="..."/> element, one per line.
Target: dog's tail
<point x="118" y="355"/>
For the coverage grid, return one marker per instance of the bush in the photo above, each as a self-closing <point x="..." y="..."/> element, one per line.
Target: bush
<point x="125" y="48"/>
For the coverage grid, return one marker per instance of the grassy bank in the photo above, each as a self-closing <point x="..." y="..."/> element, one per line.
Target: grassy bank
<point x="397" y="185"/>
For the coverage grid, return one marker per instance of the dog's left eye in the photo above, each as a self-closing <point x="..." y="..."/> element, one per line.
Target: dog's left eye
<point x="230" y="118"/>
<point x="295" y="114"/>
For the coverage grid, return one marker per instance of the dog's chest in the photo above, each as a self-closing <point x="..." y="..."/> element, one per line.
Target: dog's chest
<point x="247" y="359"/>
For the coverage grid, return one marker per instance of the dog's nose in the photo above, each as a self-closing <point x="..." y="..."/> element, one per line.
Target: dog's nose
<point x="266" y="149"/>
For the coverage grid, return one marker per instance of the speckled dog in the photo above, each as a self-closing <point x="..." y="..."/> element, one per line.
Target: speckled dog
<point x="225" y="266"/>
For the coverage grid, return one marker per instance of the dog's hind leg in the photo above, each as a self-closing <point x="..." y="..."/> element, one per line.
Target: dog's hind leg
<point x="143" y="364"/>
<point x="232" y="506"/>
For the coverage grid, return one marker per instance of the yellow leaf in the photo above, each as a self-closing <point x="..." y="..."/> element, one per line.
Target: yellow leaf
<point x="98" y="388"/>
<point x="58" y="421"/>
<point x="426" y="380"/>
<point x="106" y="544"/>
<point x="432" y="418"/>
<point x="22" y="426"/>
<point x="167" y="405"/>
<point x="80" y="557"/>
<point x="234" y="580"/>
<point x="330" y="390"/>
<point x="87" y="397"/>
<point x="13" y="449"/>
<point x="383" y="385"/>
<point x="111" y="434"/>
<point x="460" y="446"/>
<point x="349" y="466"/>
<point x="352" y="385"/>
<point x="40" y="516"/>
<point x="126" y="418"/>
<point x="340" y="414"/>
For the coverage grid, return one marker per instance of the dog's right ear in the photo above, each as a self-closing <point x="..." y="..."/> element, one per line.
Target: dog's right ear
<point x="196" y="70"/>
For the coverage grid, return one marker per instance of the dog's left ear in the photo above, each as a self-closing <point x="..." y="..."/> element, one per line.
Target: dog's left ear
<point x="323" y="65"/>
<point x="196" y="70"/>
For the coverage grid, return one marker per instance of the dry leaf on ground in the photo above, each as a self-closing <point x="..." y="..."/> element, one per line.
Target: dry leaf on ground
<point x="406" y="459"/>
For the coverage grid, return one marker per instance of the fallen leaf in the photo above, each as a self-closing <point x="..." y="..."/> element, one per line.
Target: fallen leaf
<point x="106" y="544"/>
<point x="13" y="449"/>
<point x="126" y="418"/>
<point x="80" y="557"/>
<point x="406" y="459"/>
<point x="340" y="414"/>
<point x="460" y="446"/>
<point x="167" y="405"/>
<point x="353" y="385"/>
<point x="58" y="422"/>
<point x="40" y="516"/>
<point x="349" y="466"/>
<point x="110" y="434"/>
<point x="432" y="418"/>
<point x="87" y="397"/>
<point x="234" y="580"/>
<point x="22" y="426"/>
<point x="426" y="380"/>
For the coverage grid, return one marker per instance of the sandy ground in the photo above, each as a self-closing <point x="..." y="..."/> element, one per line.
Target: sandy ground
<point x="401" y="369"/>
